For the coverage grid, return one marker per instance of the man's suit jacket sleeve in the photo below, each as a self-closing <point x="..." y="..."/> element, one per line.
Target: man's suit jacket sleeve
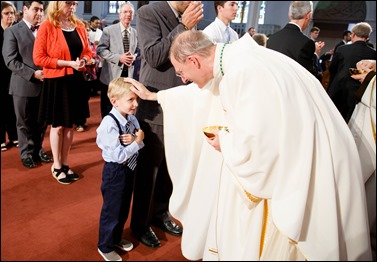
<point x="11" y="55"/>
<point x="103" y="48"/>
<point x="156" y="42"/>
<point x="307" y="57"/>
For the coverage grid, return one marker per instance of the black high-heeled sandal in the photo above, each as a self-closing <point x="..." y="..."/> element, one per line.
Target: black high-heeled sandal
<point x="56" y="173"/>
<point x="73" y="175"/>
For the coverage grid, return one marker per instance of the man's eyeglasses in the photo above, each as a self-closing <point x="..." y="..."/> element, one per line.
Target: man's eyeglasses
<point x="8" y="13"/>
<point x="70" y="3"/>
<point x="179" y="73"/>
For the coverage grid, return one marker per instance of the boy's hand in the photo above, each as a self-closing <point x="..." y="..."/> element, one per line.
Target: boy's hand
<point x="127" y="138"/>
<point x="139" y="136"/>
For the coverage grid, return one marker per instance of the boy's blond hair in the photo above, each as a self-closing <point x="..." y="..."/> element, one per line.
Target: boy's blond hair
<point x="117" y="88"/>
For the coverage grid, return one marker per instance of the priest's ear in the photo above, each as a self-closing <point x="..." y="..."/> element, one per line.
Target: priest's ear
<point x="193" y="59"/>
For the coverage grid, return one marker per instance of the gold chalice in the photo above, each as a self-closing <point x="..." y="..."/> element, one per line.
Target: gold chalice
<point x="208" y="130"/>
<point x="355" y="71"/>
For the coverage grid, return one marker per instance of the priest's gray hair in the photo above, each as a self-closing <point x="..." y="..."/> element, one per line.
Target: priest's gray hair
<point x="189" y="43"/>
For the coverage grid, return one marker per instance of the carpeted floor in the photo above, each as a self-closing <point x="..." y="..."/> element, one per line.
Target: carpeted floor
<point x="42" y="220"/>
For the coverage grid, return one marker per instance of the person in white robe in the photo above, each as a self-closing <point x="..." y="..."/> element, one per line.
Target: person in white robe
<point x="363" y="128"/>
<point x="284" y="182"/>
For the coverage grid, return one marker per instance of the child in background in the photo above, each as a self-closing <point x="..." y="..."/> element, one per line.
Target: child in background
<point x="92" y="68"/>
<point x="120" y="138"/>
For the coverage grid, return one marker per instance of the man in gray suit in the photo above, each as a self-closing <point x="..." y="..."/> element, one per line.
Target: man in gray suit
<point x="118" y="52"/>
<point x="26" y="83"/>
<point x="157" y="24"/>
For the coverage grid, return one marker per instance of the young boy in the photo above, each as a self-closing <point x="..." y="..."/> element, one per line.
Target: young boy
<point x="119" y="137"/>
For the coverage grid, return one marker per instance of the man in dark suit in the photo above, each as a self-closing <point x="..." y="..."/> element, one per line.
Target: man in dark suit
<point x="346" y="38"/>
<point x="157" y="24"/>
<point x="291" y="41"/>
<point x="342" y="87"/>
<point x="26" y="83"/>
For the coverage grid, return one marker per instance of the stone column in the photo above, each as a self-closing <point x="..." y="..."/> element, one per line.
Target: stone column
<point x="253" y="15"/>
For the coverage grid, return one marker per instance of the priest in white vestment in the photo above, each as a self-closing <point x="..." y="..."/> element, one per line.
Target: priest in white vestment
<point x="363" y="128"/>
<point x="285" y="181"/>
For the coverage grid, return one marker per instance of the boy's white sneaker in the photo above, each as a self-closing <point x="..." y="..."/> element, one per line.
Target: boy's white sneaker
<point x="111" y="256"/>
<point x="125" y="245"/>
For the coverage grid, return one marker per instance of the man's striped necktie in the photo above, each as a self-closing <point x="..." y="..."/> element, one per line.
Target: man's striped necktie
<point x="126" y="47"/>
<point x="126" y="41"/>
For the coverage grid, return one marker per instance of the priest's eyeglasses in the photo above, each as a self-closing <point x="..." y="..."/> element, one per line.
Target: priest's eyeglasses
<point x="179" y="73"/>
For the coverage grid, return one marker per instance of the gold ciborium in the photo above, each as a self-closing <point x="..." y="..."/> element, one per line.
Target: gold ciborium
<point x="208" y="130"/>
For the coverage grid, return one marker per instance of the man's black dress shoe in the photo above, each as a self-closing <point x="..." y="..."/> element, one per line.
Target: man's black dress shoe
<point x="149" y="238"/>
<point x="28" y="162"/>
<point x="44" y="157"/>
<point x="169" y="226"/>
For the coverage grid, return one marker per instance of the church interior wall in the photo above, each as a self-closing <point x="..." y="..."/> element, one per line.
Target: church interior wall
<point x="276" y="17"/>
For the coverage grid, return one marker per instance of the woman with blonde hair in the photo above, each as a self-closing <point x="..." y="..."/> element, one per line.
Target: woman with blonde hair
<point x="62" y="49"/>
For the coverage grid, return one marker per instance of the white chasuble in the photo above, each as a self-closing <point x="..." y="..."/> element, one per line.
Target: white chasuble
<point x="287" y="184"/>
<point x="363" y="128"/>
<point x="288" y="143"/>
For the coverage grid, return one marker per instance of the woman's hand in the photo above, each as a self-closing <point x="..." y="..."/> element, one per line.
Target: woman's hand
<point x="78" y="64"/>
<point x="141" y="91"/>
<point x="91" y="62"/>
<point x="81" y="63"/>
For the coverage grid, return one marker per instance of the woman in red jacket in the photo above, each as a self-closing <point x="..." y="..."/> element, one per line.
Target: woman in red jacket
<point x="61" y="48"/>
